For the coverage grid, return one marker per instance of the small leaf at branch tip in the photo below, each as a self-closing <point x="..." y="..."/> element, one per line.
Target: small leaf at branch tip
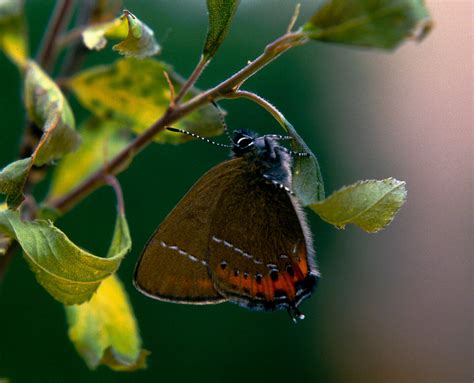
<point x="138" y="39"/>
<point x="140" y="42"/>
<point x="370" y="204"/>
<point x="221" y="13"/>
<point x="104" y="330"/>
<point x="368" y="23"/>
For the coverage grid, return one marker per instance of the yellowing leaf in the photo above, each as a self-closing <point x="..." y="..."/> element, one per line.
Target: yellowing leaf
<point x="371" y="205"/>
<point x="369" y="23"/>
<point x="70" y="274"/>
<point x="101" y="140"/>
<point x="12" y="180"/>
<point x="221" y="13"/>
<point x="104" y="330"/>
<point x="94" y="37"/>
<point x="50" y="111"/>
<point x="5" y="241"/>
<point x="13" y="39"/>
<point x="140" y="41"/>
<point x="136" y="93"/>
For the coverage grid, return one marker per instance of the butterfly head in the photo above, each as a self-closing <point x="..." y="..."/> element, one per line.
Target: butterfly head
<point x="245" y="143"/>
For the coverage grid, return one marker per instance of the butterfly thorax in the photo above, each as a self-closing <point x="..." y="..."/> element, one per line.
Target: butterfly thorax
<point x="264" y="156"/>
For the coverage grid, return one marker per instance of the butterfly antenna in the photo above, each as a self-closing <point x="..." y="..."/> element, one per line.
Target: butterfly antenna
<point x="196" y="136"/>
<point x="221" y="115"/>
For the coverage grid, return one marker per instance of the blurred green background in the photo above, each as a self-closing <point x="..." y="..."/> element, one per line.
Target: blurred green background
<point x="391" y="307"/>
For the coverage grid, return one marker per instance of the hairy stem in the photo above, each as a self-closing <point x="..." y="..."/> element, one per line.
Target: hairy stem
<point x="226" y="89"/>
<point x="270" y="108"/>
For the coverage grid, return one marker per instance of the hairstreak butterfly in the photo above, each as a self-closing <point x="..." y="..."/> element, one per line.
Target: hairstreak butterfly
<point x="239" y="235"/>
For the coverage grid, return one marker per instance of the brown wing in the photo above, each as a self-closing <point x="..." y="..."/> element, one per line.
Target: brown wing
<point x="261" y="253"/>
<point x="174" y="264"/>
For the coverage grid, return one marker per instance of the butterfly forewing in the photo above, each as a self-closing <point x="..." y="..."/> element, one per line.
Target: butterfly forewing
<point x="174" y="264"/>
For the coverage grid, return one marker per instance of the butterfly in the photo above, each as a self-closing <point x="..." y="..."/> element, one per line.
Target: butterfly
<point x="239" y="235"/>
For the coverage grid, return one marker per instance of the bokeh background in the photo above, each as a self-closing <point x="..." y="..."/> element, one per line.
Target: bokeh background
<point x="391" y="307"/>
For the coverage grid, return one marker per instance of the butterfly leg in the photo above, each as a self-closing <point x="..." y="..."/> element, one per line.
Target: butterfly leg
<point x="291" y="152"/>
<point x="295" y="314"/>
<point x="277" y="184"/>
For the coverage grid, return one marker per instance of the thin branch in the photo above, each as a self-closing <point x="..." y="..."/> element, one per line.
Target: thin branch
<point x="192" y="79"/>
<point x="171" y="87"/>
<point x="77" y="51"/>
<point x="223" y="90"/>
<point x="48" y="50"/>
<point x="113" y="182"/>
<point x="296" y="13"/>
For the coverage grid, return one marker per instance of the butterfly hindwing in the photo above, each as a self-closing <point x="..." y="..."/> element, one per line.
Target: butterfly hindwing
<point x="260" y="251"/>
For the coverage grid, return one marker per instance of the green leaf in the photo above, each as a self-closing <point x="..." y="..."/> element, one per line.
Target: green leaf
<point x="136" y="93"/>
<point x="140" y="41"/>
<point x="221" y="13"/>
<point x="371" y="205"/>
<point x="70" y="274"/>
<point x="369" y="23"/>
<point x="13" y="39"/>
<point x="101" y="140"/>
<point x="104" y="330"/>
<point x="12" y="180"/>
<point x="50" y="111"/>
<point x="307" y="183"/>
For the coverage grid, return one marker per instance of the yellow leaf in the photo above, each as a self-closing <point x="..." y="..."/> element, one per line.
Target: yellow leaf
<point x="13" y="39"/>
<point x="5" y="241"/>
<point x="101" y="140"/>
<point x="136" y="92"/>
<point x="94" y="37"/>
<point x="138" y="39"/>
<point x="49" y="109"/>
<point x="104" y="330"/>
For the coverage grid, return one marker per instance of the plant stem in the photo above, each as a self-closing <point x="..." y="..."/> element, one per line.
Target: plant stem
<point x="192" y="79"/>
<point x="270" y="108"/>
<point x="226" y="89"/>
<point x="47" y="53"/>
<point x="77" y="51"/>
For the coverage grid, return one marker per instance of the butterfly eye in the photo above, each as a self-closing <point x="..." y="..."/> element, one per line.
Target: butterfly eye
<point x="244" y="142"/>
